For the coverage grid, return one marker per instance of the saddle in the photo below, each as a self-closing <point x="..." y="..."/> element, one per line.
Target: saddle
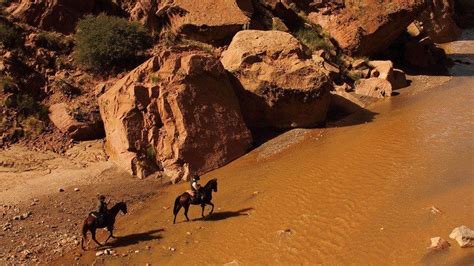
<point x="100" y="218"/>
<point x="195" y="197"/>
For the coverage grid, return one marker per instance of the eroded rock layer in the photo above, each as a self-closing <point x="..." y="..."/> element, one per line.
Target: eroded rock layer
<point x="177" y="112"/>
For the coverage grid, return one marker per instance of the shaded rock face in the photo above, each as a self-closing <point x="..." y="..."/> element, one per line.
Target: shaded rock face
<point x="370" y="26"/>
<point x="207" y="20"/>
<point x="144" y="11"/>
<point x="277" y="84"/>
<point x="77" y="130"/>
<point x="424" y="54"/>
<point x="57" y="15"/>
<point x="177" y="113"/>
<point x="437" y="21"/>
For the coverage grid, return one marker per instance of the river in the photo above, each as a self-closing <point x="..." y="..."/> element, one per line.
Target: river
<point x="361" y="191"/>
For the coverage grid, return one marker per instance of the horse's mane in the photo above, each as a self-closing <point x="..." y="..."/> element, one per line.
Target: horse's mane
<point x="214" y="180"/>
<point x="118" y="204"/>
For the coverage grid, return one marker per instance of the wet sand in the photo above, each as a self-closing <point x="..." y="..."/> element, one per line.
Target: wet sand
<point x="359" y="192"/>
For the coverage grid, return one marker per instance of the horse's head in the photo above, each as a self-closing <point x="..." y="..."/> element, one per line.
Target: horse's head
<point x="213" y="184"/>
<point x="122" y="207"/>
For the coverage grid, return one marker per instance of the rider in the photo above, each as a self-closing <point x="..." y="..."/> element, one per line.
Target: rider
<point x="101" y="209"/>
<point x="196" y="187"/>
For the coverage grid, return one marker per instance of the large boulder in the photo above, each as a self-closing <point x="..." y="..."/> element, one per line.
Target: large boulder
<point x="64" y="119"/>
<point x="368" y="27"/>
<point x="384" y="69"/>
<point x="437" y="21"/>
<point x="207" y="20"/>
<point x="55" y="15"/>
<point x="424" y="54"/>
<point x="177" y="113"/>
<point x="277" y="83"/>
<point x="373" y="87"/>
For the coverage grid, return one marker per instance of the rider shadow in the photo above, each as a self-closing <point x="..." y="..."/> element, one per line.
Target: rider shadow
<point x="123" y="241"/>
<point x="218" y="216"/>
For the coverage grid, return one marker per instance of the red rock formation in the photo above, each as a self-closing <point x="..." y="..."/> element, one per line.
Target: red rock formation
<point x="177" y="110"/>
<point x="57" y="15"/>
<point x="373" y="87"/>
<point x="437" y="21"/>
<point x="368" y="27"/>
<point x="207" y="20"/>
<point x="278" y="85"/>
<point x="77" y="130"/>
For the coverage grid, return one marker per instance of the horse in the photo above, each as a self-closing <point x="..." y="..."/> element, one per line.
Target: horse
<point x="91" y="223"/>
<point x="184" y="200"/>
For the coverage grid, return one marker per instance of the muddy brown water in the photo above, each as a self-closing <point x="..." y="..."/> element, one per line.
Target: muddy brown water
<point x="359" y="192"/>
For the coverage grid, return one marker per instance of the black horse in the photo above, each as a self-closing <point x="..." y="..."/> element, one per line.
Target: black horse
<point x="184" y="200"/>
<point x="91" y="223"/>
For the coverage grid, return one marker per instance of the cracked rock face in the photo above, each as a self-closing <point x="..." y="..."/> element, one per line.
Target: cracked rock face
<point x="278" y="85"/>
<point x="176" y="113"/>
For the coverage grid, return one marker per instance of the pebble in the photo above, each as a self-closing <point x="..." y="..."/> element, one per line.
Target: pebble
<point x="434" y="210"/>
<point x="463" y="235"/>
<point x="61" y="190"/>
<point x="437" y="243"/>
<point x="172" y="249"/>
<point x="232" y="263"/>
<point x="287" y="231"/>
<point x="76" y="189"/>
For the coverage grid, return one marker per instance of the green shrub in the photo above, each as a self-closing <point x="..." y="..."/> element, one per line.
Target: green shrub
<point x="32" y="126"/>
<point x="105" y="43"/>
<point x="151" y="153"/>
<point x="9" y="36"/>
<point x="27" y="105"/>
<point x="312" y="39"/>
<point x="6" y="84"/>
<point x="51" y="41"/>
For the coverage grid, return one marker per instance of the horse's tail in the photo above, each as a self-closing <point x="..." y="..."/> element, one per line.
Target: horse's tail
<point x="85" y="227"/>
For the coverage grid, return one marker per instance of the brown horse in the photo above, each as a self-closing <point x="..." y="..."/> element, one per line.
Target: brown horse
<point x="91" y="223"/>
<point x="184" y="200"/>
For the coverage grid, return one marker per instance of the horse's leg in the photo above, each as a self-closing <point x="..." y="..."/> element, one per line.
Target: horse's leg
<point x="176" y="211"/>
<point x="111" y="232"/>
<point x="186" y="208"/>
<point x="212" y="204"/>
<point x="202" y="210"/>
<point x="93" y="237"/>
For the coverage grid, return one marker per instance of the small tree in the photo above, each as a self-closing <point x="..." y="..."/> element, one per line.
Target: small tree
<point x="105" y="43"/>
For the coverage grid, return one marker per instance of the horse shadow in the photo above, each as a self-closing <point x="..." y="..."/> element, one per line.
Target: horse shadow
<point x="123" y="241"/>
<point x="218" y="216"/>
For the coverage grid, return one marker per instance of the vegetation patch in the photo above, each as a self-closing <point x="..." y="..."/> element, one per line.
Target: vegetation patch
<point x="10" y="37"/>
<point x="107" y="44"/>
<point x="311" y="38"/>
<point x="51" y="41"/>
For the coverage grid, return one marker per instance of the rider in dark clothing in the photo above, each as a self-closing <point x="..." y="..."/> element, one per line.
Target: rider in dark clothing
<point x="196" y="188"/>
<point x="101" y="209"/>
